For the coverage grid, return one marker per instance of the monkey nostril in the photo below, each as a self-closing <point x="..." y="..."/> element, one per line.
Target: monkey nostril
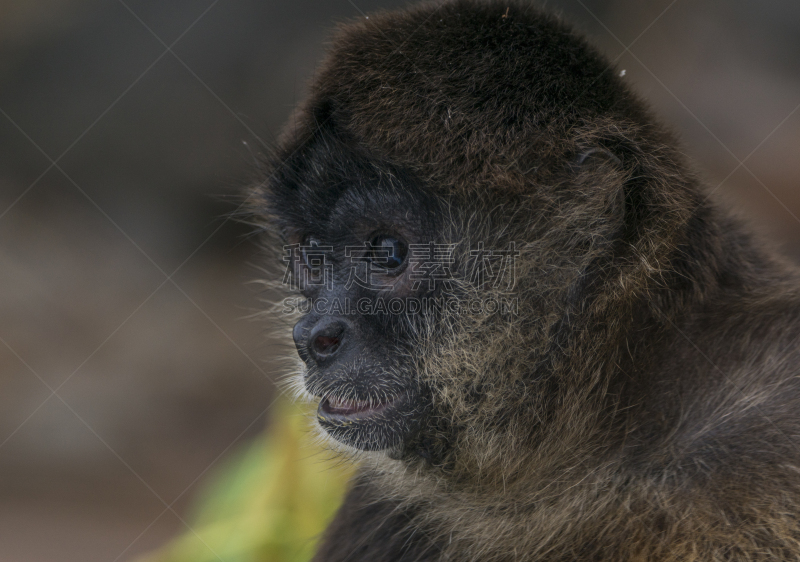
<point x="326" y="340"/>
<point x="325" y="345"/>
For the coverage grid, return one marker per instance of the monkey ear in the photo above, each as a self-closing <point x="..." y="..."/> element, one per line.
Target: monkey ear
<point x="596" y="157"/>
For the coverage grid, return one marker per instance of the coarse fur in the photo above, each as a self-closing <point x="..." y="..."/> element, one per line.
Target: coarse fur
<point x="641" y="402"/>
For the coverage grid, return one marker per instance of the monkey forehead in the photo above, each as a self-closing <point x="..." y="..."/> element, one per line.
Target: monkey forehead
<point x="478" y="91"/>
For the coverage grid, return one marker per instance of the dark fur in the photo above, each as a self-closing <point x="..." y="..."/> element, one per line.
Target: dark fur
<point x="644" y="403"/>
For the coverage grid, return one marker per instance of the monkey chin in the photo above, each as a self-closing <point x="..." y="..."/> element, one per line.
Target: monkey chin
<point x="369" y="425"/>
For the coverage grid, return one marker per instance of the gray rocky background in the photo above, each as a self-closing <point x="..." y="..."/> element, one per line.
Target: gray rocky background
<point x="126" y="365"/>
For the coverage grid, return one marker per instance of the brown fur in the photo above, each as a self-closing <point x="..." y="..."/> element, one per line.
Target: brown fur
<point x="644" y="403"/>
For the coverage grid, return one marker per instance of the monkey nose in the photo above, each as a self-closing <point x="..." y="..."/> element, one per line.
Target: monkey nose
<point x="325" y="340"/>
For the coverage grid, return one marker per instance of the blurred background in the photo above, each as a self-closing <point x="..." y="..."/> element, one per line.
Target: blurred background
<point x="129" y="373"/>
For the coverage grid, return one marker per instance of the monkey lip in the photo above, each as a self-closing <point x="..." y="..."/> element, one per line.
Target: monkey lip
<point x="333" y="406"/>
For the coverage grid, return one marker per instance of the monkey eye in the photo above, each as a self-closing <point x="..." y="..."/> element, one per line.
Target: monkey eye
<point x="387" y="251"/>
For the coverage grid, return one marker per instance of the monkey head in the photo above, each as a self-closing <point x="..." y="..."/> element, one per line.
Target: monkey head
<point x="466" y="194"/>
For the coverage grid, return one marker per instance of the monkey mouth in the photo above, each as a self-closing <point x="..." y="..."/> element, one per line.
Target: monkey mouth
<point x="370" y="425"/>
<point x="334" y="407"/>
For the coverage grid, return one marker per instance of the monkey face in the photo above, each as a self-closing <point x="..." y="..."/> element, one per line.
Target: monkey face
<point x="392" y="365"/>
<point x="351" y="228"/>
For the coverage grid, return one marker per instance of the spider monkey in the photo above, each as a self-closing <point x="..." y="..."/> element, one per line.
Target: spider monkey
<point x="524" y="316"/>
